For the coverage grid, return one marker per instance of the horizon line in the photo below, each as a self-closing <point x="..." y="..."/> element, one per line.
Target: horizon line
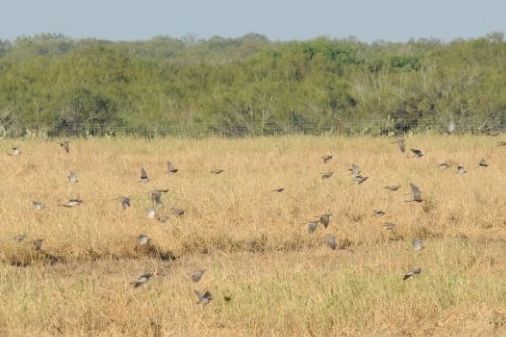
<point x="197" y="38"/>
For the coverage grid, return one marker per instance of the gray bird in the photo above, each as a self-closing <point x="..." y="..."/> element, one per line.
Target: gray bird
<point x="72" y="178"/>
<point x="142" y="279"/>
<point x="37" y="244"/>
<point x="216" y="171"/>
<point x="417" y="244"/>
<point x="72" y="203"/>
<point x="389" y="225"/>
<point x="378" y="212"/>
<point x="177" y="211"/>
<point x="124" y="201"/>
<point x="416" y="194"/>
<point x="413" y="272"/>
<point x="330" y="241"/>
<point x="444" y="165"/>
<point x="483" y="163"/>
<point x="401" y="143"/>
<point x="144" y="178"/>
<point x="312" y="226"/>
<point x="37" y="205"/>
<point x="461" y="170"/>
<point x="327" y="175"/>
<point x="279" y="190"/>
<point x="197" y="275"/>
<point x="326" y="158"/>
<point x="360" y="179"/>
<point x="156" y="196"/>
<point x="417" y="153"/>
<point x="355" y="170"/>
<point x="392" y="187"/>
<point x="15" y="151"/>
<point x="66" y="146"/>
<point x="151" y="213"/>
<point x="203" y="298"/>
<point x="143" y="240"/>
<point x="171" y="169"/>
<point x="20" y="237"/>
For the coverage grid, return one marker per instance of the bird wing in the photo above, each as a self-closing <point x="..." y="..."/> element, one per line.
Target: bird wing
<point x="355" y="169"/>
<point x="415" y="192"/>
<point x="171" y="167"/>
<point x="155" y="196"/>
<point x="407" y="275"/>
<point x="199" y="295"/>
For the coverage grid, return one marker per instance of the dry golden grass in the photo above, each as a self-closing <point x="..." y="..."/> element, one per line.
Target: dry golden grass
<point x="254" y="243"/>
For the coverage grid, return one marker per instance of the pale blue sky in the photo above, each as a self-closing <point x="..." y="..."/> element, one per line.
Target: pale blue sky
<point x="368" y="20"/>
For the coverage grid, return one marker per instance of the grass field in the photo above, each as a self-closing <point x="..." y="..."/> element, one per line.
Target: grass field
<point x="267" y="274"/>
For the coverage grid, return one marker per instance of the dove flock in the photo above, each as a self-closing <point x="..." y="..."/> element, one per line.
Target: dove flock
<point x="328" y="239"/>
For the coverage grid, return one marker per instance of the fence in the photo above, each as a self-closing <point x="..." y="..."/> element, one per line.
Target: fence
<point x="374" y="127"/>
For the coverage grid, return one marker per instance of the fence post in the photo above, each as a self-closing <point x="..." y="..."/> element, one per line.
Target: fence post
<point x="338" y="126"/>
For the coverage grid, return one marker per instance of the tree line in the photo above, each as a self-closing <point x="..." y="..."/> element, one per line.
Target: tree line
<point x="55" y="85"/>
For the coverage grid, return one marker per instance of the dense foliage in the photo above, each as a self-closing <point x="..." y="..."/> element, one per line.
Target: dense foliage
<point x="53" y="84"/>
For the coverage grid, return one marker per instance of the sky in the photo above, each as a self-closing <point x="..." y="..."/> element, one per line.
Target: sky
<point x="367" y="20"/>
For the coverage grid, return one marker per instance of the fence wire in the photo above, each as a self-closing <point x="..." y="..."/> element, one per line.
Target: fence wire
<point x="375" y="127"/>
